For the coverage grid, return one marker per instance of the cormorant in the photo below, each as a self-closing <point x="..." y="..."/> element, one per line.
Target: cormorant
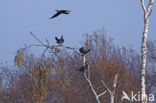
<point x="83" y="68"/>
<point x="83" y="50"/>
<point x="59" y="41"/>
<point x="60" y="12"/>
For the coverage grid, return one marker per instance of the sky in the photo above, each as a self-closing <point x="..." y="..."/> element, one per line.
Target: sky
<point x="122" y="19"/>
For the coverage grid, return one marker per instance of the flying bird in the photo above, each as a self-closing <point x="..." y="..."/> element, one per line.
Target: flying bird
<point x="59" y="12"/>
<point x="59" y="41"/>
<point x="83" y="50"/>
<point x="83" y="68"/>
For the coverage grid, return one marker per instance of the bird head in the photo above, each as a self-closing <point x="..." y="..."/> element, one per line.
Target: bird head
<point x="61" y="36"/>
<point x="68" y="11"/>
<point x="57" y="10"/>
<point x="82" y="48"/>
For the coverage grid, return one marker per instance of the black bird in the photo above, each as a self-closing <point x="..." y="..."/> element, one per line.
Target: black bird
<point x="60" y="12"/>
<point x="59" y="41"/>
<point x="83" y="68"/>
<point x="83" y="50"/>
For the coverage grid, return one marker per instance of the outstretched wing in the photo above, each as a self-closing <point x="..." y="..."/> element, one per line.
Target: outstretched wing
<point x="55" y="15"/>
<point x="67" y="11"/>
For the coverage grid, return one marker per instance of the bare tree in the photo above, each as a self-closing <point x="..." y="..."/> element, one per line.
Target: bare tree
<point x="147" y="12"/>
<point x="90" y="84"/>
<point x="56" y="79"/>
<point x="111" y="93"/>
<point x="86" y="73"/>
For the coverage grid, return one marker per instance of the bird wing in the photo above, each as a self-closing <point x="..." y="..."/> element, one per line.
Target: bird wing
<point x="81" y="49"/>
<point x="68" y="11"/>
<point x="55" y="15"/>
<point x="56" y="38"/>
<point x="82" y="69"/>
<point x="65" y="11"/>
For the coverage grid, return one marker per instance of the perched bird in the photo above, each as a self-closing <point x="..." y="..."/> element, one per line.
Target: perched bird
<point x="59" y="41"/>
<point x="83" y="50"/>
<point x="83" y="68"/>
<point x="58" y="12"/>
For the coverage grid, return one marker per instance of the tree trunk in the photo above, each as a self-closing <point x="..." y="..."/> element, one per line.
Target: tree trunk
<point x="112" y="98"/>
<point x="147" y="13"/>
<point x="143" y="64"/>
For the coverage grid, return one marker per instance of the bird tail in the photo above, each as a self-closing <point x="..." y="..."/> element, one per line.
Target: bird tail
<point x="88" y="50"/>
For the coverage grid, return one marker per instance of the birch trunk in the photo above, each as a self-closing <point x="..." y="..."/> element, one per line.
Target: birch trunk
<point x="147" y="12"/>
<point x="112" y="98"/>
<point x="143" y="65"/>
<point x="112" y="93"/>
<point x="89" y="82"/>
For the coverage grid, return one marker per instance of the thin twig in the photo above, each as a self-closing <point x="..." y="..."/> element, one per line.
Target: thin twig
<point x="143" y="6"/>
<point x="44" y="52"/>
<point x="37" y="38"/>
<point x="106" y="87"/>
<point x="102" y="94"/>
<point x="48" y="46"/>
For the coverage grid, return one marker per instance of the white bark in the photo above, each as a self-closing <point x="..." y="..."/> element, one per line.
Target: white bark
<point x="90" y="84"/>
<point x="147" y="12"/>
<point x="111" y="93"/>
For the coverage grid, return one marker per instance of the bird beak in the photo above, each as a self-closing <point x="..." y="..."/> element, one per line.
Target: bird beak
<point x="69" y="11"/>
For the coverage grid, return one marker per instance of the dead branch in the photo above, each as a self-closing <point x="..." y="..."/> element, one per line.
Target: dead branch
<point x="48" y="46"/>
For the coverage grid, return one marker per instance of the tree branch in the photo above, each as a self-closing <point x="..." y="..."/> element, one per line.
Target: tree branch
<point x="149" y="11"/>
<point x="102" y="94"/>
<point x="143" y="6"/>
<point x="91" y="86"/>
<point x="37" y="38"/>
<point x="111" y="93"/>
<point x="106" y="87"/>
<point x="48" y="46"/>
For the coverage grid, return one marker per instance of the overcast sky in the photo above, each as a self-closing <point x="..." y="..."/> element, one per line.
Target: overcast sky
<point x="123" y="20"/>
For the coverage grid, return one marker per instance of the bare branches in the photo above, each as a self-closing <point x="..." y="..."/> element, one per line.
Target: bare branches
<point x="111" y="93"/>
<point x="115" y="81"/>
<point x="106" y="87"/>
<point x="86" y="73"/>
<point x="143" y="5"/>
<point x="147" y="10"/>
<point x="37" y="38"/>
<point x="48" y="46"/>
<point x="102" y="94"/>
<point x="91" y="86"/>
<point x="67" y="47"/>
<point x="89" y="82"/>
<point x="150" y="5"/>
